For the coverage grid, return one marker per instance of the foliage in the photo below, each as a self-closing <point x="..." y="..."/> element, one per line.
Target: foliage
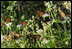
<point x="54" y="34"/>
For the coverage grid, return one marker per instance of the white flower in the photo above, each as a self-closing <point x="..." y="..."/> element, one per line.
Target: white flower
<point x="41" y="37"/>
<point x="31" y="25"/>
<point x="50" y="1"/>
<point x="64" y="21"/>
<point x="37" y="31"/>
<point x="19" y="25"/>
<point x="46" y="14"/>
<point x="45" y="41"/>
<point x="67" y="5"/>
<point x="33" y="17"/>
<point x="48" y="22"/>
<point x="12" y="19"/>
<point x="66" y="42"/>
<point x="45" y="34"/>
<point x="2" y="37"/>
<point x="17" y="41"/>
<point x="11" y="16"/>
<point x="37" y="28"/>
<point x="40" y="30"/>
<point x="31" y="20"/>
<point x="68" y="17"/>
<point x="9" y="24"/>
<point x="46" y="4"/>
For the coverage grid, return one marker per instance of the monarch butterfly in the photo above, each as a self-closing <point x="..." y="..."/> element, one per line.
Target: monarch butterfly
<point x="14" y="35"/>
<point x="33" y="37"/>
<point x="40" y="13"/>
<point x="36" y="37"/>
<point x="7" y="20"/>
<point x="23" y="23"/>
<point x="62" y="13"/>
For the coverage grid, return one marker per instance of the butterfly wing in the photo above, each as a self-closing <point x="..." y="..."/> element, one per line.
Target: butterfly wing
<point x="40" y="13"/>
<point x="36" y="37"/>
<point x="15" y="35"/>
<point x="7" y="20"/>
<point x="23" y="23"/>
<point x="62" y="13"/>
<point x="33" y="38"/>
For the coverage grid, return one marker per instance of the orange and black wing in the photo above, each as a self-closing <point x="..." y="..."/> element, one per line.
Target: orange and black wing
<point x="62" y="13"/>
<point x="40" y="13"/>
<point x="23" y="23"/>
<point x="7" y="20"/>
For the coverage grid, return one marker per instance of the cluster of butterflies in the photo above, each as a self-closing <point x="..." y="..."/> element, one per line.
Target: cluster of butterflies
<point x="40" y="14"/>
<point x="8" y="20"/>
<point x="14" y="35"/>
<point x="35" y="37"/>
